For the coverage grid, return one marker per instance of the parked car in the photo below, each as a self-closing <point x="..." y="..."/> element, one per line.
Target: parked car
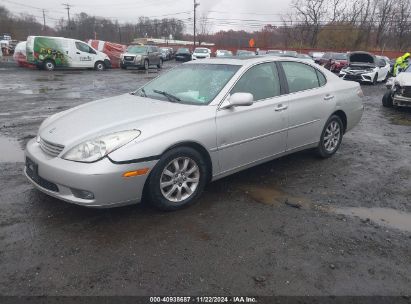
<point x="274" y="52"/>
<point x="306" y="58"/>
<point x="48" y="52"/>
<point x="20" y="55"/>
<point x="199" y="122"/>
<point x="338" y="62"/>
<point x="316" y="56"/>
<point x="245" y="53"/>
<point x="165" y="54"/>
<point x="365" y="67"/>
<point x="141" y="56"/>
<point x="399" y="90"/>
<point x="201" y="53"/>
<point x="331" y="59"/>
<point x="183" y="54"/>
<point x="291" y="53"/>
<point x="223" y="53"/>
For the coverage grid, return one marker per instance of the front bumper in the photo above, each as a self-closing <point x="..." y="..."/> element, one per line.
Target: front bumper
<point x="103" y="178"/>
<point x="366" y="77"/>
<point x="138" y="64"/>
<point x="401" y="101"/>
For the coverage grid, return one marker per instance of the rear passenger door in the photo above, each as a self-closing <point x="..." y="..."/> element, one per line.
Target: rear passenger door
<point x="154" y="55"/>
<point x="310" y="103"/>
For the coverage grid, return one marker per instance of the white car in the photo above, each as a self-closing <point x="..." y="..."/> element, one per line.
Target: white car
<point x="399" y="90"/>
<point x="201" y="53"/>
<point x="223" y="53"/>
<point x="366" y="68"/>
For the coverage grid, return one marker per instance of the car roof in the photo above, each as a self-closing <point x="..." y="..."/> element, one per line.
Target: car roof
<point x="244" y="61"/>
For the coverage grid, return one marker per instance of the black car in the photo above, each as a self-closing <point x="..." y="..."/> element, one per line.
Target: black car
<point x="183" y="54"/>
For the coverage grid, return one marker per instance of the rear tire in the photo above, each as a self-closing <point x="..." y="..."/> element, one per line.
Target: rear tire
<point x="387" y="100"/>
<point x="331" y="137"/>
<point x="99" y="66"/>
<point x="177" y="180"/>
<point x="146" y="65"/>
<point x="49" y="65"/>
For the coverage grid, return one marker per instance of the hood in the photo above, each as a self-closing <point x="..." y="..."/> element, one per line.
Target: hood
<point x="132" y="54"/>
<point x="361" y="59"/>
<point x="403" y="79"/>
<point x="120" y="113"/>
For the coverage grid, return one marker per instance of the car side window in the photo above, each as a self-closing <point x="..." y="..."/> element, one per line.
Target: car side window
<point x="82" y="47"/>
<point x="321" y="78"/>
<point x="261" y="80"/>
<point x="300" y="76"/>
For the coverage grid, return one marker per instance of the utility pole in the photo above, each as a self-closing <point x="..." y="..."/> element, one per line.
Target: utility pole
<point x="68" y="13"/>
<point x="44" y="20"/>
<point x="195" y="8"/>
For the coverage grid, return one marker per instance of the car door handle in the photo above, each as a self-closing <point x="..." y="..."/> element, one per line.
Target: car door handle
<point x="280" y="108"/>
<point x="328" y="97"/>
<point x="78" y="53"/>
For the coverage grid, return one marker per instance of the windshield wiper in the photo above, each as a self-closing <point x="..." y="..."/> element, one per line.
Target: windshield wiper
<point x="169" y="96"/>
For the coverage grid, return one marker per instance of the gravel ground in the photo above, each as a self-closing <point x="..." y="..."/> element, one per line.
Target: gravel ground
<point x="294" y="226"/>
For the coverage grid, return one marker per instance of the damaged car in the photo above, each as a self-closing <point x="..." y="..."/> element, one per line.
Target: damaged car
<point x="365" y="67"/>
<point x="399" y="90"/>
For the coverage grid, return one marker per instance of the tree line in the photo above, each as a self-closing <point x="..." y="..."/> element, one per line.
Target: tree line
<point x="322" y="24"/>
<point x="83" y="26"/>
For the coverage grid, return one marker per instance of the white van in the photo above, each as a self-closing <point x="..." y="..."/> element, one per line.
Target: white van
<point x="50" y="52"/>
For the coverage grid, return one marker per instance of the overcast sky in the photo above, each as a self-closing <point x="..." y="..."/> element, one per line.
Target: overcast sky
<point x="222" y="14"/>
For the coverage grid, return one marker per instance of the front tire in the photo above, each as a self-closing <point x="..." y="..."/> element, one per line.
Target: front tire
<point x="99" y="66"/>
<point x="331" y="137"/>
<point x="178" y="179"/>
<point x="146" y="65"/>
<point x="387" y="100"/>
<point x="160" y="64"/>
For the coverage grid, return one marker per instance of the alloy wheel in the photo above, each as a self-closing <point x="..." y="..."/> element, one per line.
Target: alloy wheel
<point x="332" y="136"/>
<point x="179" y="179"/>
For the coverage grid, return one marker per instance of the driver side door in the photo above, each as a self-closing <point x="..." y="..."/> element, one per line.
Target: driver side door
<point x="84" y="55"/>
<point x="250" y="134"/>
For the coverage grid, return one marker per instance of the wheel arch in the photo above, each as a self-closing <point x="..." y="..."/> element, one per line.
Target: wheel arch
<point x="199" y="148"/>
<point x="341" y="114"/>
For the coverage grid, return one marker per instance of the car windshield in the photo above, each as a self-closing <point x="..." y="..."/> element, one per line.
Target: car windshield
<point x="183" y="51"/>
<point x="201" y="51"/>
<point x="136" y="49"/>
<point x="195" y="84"/>
<point x="341" y="56"/>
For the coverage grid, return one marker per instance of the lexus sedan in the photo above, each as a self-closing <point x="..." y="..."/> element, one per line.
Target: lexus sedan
<point x="197" y="123"/>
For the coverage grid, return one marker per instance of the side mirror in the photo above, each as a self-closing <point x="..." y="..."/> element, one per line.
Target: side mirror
<point x="238" y="100"/>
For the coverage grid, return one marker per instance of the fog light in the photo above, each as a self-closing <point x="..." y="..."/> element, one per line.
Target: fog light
<point x="83" y="194"/>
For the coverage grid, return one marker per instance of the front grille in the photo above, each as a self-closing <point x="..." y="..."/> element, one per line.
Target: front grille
<point x="353" y="77"/>
<point x="407" y="91"/>
<point x="129" y="58"/>
<point x="50" y="148"/>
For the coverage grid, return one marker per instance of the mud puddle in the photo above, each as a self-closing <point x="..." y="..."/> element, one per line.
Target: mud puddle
<point x="270" y="195"/>
<point x="10" y="151"/>
<point x="382" y="216"/>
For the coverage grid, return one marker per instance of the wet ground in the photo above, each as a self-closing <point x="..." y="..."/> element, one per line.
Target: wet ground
<point x="294" y="226"/>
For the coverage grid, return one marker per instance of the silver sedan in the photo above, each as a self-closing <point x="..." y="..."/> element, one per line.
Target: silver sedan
<point x="197" y="123"/>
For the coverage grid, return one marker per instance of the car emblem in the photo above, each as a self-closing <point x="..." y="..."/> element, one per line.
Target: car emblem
<point x="52" y="130"/>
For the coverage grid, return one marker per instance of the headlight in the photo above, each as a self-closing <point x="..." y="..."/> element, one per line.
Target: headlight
<point x="97" y="148"/>
<point x="137" y="58"/>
